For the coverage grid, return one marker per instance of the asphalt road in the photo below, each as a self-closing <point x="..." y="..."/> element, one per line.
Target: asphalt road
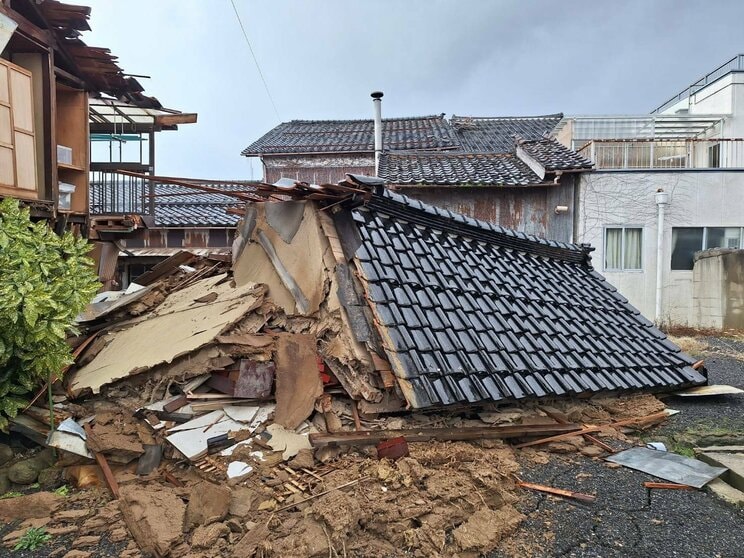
<point x="627" y="520"/>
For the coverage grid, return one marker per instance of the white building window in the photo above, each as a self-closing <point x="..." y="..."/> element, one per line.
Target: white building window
<point x="688" y="240"/>
<point x="623" y="249"/>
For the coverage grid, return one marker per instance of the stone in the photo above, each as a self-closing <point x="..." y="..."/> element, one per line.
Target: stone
<point x="45" y="457"/>
<point x="561" y="447"/>
<point x="62" y="531"/>
<point x="4" y="482"/>
<point x="247" y="546"/>
<point x="120" y="534"/>
<point x="592" y="451"/>
<point x="154" y="515"/>
<point x="303" y="460"/>
<point x="78" y="554"/>
<point x="26" y="471"/>
<point x="208" y="503"/>
<point x="38" y="504"/>
<point x="88" y="540"/>
<point x="51" y="477"/>
<point x="66" y="516"/>
<point x="486" y="527"/>
<point x="235" y="526"/>
<point x="242" y="501"/>
<point x="6" y="454"/>
<point x="206" y="536"/>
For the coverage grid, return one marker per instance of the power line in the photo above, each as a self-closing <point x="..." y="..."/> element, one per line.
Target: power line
<point x="253" y="54"/>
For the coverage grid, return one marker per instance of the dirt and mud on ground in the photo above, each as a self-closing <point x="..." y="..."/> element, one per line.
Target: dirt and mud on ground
<point x="445" y="499"/>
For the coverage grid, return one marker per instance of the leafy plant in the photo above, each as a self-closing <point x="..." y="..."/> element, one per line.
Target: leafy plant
<point x="62" y="490"/>
<point x="46" y="280"/>
<point x="33" y="539"/>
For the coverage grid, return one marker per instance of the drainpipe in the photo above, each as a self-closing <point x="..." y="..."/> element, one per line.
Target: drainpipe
<point x="377" y="102"/>
<point x="662" y="200"/>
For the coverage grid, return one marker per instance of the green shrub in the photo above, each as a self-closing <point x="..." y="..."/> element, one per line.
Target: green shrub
<point x="32" y="539"/>
<point x="46" y="280"/>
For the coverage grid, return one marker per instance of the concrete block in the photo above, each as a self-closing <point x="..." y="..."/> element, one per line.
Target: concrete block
<point x="726" y="492"/>
<point x="734" y="462"/>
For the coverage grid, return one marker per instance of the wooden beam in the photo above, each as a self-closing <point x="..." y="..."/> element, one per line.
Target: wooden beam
<point x="368" y="437"/>
<point x="667" y="486"/>
<point x="175" y="119"/>
<point x="588" y="498"/>
<point x="560" y="437"/>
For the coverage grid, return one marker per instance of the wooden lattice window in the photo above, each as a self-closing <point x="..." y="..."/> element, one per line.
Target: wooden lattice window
<point x="17" y="141"/>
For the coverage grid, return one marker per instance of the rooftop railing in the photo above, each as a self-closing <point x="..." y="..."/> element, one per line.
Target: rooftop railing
<point x="736" y="64"/>
<point x="685" y="153"/>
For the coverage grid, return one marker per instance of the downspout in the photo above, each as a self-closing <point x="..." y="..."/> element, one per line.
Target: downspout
<point x="377" y="102"/>
<point x="662" y="200"/>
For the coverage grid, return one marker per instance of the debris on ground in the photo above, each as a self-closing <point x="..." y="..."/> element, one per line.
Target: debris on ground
<point x="253" y="410"/>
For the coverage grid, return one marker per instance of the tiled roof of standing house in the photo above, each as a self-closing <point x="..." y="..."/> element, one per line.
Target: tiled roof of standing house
<point x="432" y="150"/>
<point x="355" y="136"/>
<point x="472" y="312"/>
<point x="482" y="169"/>
<point x="176" y="206"/>
<point x="499" y="134"/>
<point x="554" y="156"/>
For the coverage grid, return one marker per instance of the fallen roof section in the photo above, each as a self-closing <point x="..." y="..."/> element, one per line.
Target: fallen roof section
<point x="466" y="312"/>
<point x="471" y="312"/>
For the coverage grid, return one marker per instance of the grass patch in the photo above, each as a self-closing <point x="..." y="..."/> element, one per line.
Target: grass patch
<point x="690" y="345"/>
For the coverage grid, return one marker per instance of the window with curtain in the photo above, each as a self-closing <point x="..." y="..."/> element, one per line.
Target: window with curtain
<point x="623" y="249"/>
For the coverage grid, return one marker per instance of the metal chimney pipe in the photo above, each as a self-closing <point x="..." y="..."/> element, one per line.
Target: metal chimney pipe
<point x="377" y="102"/>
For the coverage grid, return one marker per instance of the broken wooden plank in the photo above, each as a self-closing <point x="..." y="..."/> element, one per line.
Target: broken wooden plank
<point x="559" y="437"/>
<point x="102" y="463"/>
<point x="441" y="434"/>
<point x="176" y="404"/>
<point x="667" y="486"/>
<point x="642" y="421"/>
<point x="298" y="382"/>
<point x="560" y="419"/>
<point x="588" y="498"/>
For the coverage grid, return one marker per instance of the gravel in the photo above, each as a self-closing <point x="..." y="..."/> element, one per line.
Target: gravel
<point x="628" y="520"/>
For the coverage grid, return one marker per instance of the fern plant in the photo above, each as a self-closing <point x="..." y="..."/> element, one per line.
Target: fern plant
<point x="32" y="539"/>
<point x="46" y="280"/>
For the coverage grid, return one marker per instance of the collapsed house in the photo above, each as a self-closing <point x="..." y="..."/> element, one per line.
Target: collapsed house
<point x="232" y="407"/>
<point x="409" y="306"/>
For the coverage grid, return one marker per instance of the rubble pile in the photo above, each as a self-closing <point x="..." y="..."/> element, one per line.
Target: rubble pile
<point x="260" y="407"/>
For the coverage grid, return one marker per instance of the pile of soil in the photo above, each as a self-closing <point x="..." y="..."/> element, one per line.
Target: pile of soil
<point x="445" y="499"/>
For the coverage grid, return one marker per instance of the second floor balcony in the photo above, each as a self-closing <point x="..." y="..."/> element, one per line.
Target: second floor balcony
<point x="683" y="153"/>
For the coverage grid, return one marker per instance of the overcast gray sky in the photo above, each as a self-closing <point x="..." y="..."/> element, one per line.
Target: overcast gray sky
<point x="322" y="58"/>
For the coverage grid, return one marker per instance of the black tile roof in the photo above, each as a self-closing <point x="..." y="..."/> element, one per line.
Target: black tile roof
<point x="554" y="155"/>
<point x="175" y="206"/>
<point x="499" y="134"/>
<point x="344" y="136"/>
<point x="471" y="312"/>
<point x="438" y="168"/>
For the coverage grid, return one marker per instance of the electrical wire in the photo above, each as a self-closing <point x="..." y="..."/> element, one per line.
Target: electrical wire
<point x="253" y="54"/>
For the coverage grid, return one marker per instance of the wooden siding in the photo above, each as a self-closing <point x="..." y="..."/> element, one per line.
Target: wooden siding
<point x="527" y="209"/>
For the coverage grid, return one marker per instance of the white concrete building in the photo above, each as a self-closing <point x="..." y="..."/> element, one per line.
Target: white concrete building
<point x="681" y="166"/>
